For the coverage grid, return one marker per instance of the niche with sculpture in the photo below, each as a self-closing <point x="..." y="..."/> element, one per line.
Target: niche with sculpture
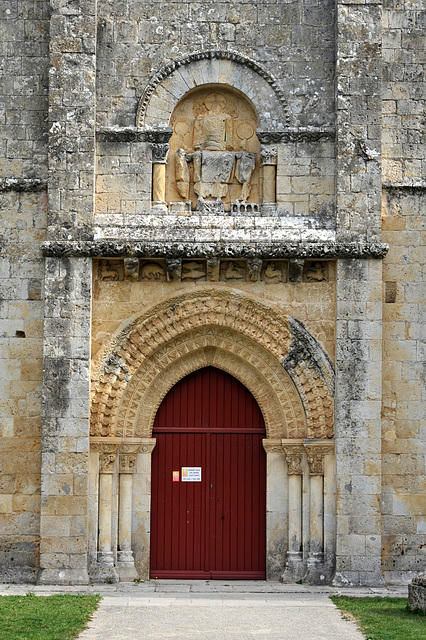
<point x="214" y="156"/>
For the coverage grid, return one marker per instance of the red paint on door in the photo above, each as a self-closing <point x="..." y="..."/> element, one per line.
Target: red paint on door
<point x="215" y="528"/>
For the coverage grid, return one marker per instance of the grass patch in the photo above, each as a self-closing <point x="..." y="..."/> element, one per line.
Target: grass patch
<point x="57" y="617"/>
<point x="384" y="618"/>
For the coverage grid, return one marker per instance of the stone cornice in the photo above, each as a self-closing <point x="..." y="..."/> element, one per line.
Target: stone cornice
<point x="133" y="134"/>
<point x="122" y="248"/>
<point x="22" y="184"/>
<point x="413" y="187"/>
<point x="311" y="134"/>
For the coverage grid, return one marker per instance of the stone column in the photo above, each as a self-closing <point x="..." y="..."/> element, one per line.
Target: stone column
<point x="126" y="563"/>
<point x="276" y="509"/>
<point x="268" y="158"/>
<point x="159" y="161"/>
<point x="142" y="507"/>
<point x="294" y="453"/>
<point x="316" y="453"/>
<point x="107" y="459"/>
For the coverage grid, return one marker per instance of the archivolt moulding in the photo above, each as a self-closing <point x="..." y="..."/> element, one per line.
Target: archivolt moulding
<point x="224" y="349"/>
<point x="265" y="327"/>
<point x="212" y="66"/>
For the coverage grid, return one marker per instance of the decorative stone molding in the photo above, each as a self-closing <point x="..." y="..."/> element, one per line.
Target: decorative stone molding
<point x="294" y="454"/>
<point x="207" y="346"/>
<point x="254" y="342"/>
<point x="293" y="135"/>
<point x="131" y="134"/>
<point x="272" y="445"/>
<point x="316" y="453"/>
<point x="278" y="250"/>
<point x="197" y="58"/>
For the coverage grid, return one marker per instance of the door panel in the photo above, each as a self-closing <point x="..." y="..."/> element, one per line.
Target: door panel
<point x="216" y="527"/>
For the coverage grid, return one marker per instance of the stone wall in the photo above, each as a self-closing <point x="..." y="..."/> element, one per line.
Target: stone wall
<point x="24" y="29"/>
<point x="403" y="413"/>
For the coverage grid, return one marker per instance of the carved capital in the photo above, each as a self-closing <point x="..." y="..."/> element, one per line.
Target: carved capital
<point x="106" y="462"/>
<point x="127" y="462"/>
<point x="294" y="458"/>
<point x="316" y="454"/>
<point x="268" y="155"/>
<point x="159" y="153"/>
<point x="272" y="446"/>
<point x="147" y="445"/>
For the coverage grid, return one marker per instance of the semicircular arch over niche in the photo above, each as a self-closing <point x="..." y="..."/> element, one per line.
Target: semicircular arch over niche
<point x="167" y="332"/>
<point x="200" y="68"/>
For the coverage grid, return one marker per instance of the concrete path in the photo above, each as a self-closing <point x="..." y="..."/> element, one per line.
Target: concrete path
<point x="217" y="610"/>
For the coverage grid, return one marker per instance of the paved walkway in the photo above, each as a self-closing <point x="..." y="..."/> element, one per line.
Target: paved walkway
<point x="216" y="610"/>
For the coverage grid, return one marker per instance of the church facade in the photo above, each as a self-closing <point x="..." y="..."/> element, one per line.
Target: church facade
<point x="212" y="287"/>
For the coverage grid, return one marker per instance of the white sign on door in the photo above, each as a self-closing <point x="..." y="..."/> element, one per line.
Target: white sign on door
<point x="191" y="474"/>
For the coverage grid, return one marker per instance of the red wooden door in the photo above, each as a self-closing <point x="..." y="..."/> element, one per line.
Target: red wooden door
<point x="216" y="527"/>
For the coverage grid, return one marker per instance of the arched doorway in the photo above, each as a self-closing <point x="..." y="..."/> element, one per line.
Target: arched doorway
<point x="214" y="525"/>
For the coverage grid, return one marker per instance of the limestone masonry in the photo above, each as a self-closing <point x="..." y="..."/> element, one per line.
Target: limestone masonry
<point x="237" y="185"/>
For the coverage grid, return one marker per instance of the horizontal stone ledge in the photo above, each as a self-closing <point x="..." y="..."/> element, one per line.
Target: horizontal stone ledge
<point x="135" y="134"/>
<point x="410" y="187"/>
<point x="20" y="185"/>
<point x="118" y="248"/>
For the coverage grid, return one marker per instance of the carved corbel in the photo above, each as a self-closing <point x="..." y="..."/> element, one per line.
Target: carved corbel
<point x="254" y="268"/>
<point x="174" y="269"/>
<point x="213" y="266"/>
<point x="131" y="268"/>
<point x="316" y="454"/>
<point x="294" y="458"/>
<point x="295" y="269"/>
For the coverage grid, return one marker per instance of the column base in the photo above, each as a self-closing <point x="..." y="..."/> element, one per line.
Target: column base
<point x="63" y="576"/>
<point x="106" y="558"/>
<point x="294" y="568"/>
<point x="126" y="566"/>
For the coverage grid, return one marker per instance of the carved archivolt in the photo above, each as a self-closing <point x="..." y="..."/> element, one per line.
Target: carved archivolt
<point x="235" y="332"/>
<point x="228" y="68"/>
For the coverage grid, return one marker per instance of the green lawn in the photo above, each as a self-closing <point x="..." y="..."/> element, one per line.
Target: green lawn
<point x="57" y="617"/>
<point x="383" y="618"/>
